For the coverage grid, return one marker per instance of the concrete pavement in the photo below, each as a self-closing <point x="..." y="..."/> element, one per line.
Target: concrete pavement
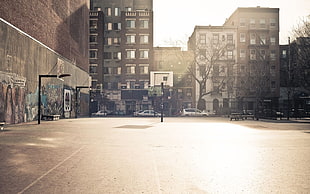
<point x="143" y="155"/>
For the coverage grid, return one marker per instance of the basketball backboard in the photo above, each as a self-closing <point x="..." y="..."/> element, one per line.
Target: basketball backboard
<point x="158" y="77"/>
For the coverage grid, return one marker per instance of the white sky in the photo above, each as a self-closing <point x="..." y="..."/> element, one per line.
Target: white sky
<point x="174" y="20"/>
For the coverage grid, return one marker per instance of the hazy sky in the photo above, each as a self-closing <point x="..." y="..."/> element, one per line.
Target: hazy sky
<point x="174" y="20"/>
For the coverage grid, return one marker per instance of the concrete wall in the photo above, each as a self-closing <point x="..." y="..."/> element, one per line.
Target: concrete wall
<point x="22" y="60"/>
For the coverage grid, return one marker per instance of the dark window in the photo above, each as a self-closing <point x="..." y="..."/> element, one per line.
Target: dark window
<point x="107" y="55"/>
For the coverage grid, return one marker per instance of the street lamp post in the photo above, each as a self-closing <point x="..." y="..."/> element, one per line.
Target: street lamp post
<point x="39" y="92"/>
<point x="76" y="98"/>
<point x="162" y="103"/>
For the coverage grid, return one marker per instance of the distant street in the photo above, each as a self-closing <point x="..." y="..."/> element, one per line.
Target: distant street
<point x="143" y="155"/>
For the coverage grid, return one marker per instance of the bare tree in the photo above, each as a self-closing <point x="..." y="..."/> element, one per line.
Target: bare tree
<point x="300" y="55"/>
<point x="206" y="67"/>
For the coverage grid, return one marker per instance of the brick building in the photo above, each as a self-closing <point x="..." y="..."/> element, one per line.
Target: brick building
<point x="127" y="53"/>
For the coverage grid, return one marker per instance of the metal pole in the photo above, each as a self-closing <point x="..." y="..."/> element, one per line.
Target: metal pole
<point x="76" y="102"/>
<point x="39" y="101"/>
<point x="289" y="79"/>
<point x="162" y="103"/>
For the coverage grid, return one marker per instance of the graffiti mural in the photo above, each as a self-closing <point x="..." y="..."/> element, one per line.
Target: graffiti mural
<point x="12" y="98"/>
<point x="31" y="109"/>
<point x="52" y="99"/>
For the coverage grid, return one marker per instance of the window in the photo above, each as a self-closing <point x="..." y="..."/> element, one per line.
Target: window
<point x="144" y="24"/>
<point x="144" y="84"/>
<point x="144" y="68"/>
<point x="117" y="26"/>
<point x="188" y="92"/>
<point x="109" y="26"/>
<point x="109" y="41"/>
<point x="131" y="84"/>
<point x="262" y="23"/>
<point x="93" y="38"/>
<point x="242" y="37"/>
<point x="131" y="54"/>
<point x="272" y="55"/>
<point x="229" y="54"/>
<point x="128" y="9"/>
<point x="117" y="40"/>
<point x="93" y="24"/>
<point x="202" y="39"/>
<point x="242" y="22"/>
<point x="252" y="38"/>
<point x="117" y="11"/>
<point x="263" y="54"/>
<point x="272" y="40"/>
<point x="144" y="39"/>
<point x="130" y="39"/>
<point x="284" y="54"/>
<point x="215" y="38"/>
<point x="130" y="68"/>
<point x="119" y="71"/>
<point x="272" y="23"/>
<point x="117" y="55"/>
<point x="144" y="54"/>
<point x="230" y="39"/>
<point x="273" y="84"/>
<point x="252" y="23"/>
<point x="107" y="55"/>
<point x="93" y="69"/>
<point x="252" y="54"/>
<point x="108" y="11"/>
<point x="262" y="39"/>
<point x="93" y="54"/>
<point x="131" y="24"/>
<point x="242" y="53"/>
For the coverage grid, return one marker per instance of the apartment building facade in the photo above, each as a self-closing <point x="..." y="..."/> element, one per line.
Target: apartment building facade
<point x="257" y="46"/>
<point x="294" y="72"/>
<point x="127" y="53"/>
<point x="214" y="67"/>
<point x="249" y="64"/>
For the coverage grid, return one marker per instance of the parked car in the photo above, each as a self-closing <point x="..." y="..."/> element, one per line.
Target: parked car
<point x="148" y="113"/>
<point x="100" y="113"/>
<point x="193" y="112"/>
<point x="135" y="114"/>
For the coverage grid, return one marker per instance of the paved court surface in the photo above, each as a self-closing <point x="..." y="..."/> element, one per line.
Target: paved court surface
<point x="143" y="155"/>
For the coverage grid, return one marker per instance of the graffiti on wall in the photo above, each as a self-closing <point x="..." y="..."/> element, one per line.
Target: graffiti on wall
<point x="31" y="109"/>
<point x="52" y="99"/>
<point x="12" y="98"/>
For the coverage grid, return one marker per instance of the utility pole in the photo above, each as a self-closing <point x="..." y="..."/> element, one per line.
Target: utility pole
<point x="162" y="103"/>
<point x="289" y="79"/>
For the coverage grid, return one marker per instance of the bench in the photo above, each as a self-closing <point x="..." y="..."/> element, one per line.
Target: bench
<point x="50" y="117"/>
<point x="248" y="116"/>
<point x="2" y="125"/>
<point x="236" y="116"/>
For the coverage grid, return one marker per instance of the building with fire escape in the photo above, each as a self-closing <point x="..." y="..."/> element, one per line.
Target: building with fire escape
<point x="127" y="54"/>
<point x="257" y="81"/>
<point x="243" y="74"/>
